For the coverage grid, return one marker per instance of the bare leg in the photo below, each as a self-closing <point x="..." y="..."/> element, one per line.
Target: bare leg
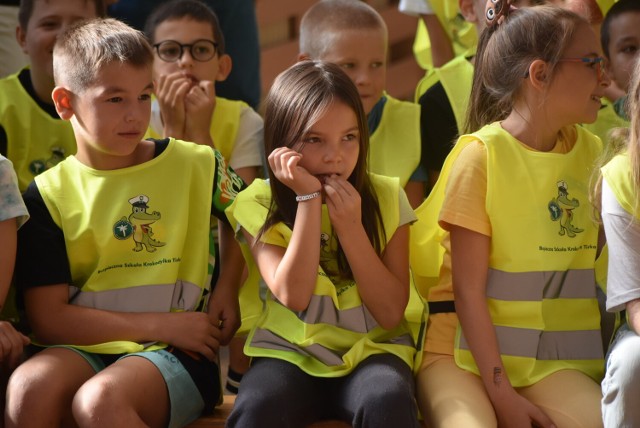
<point x="129" y="393"/>
<point x="41" y="389"/>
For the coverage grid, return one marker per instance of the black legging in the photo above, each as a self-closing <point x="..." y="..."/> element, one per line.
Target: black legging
<point x="276" y="393"/>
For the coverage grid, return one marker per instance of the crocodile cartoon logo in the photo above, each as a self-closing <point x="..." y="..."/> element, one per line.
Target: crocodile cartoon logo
<point x="138" y="225"/>
<point x="561" y="210"/>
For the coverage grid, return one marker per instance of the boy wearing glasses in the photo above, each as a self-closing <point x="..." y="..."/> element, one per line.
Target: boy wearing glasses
<point x="189" y="57"/>
<point x="620" y="38"/>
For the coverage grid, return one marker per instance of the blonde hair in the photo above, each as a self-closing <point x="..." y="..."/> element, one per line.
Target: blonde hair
<point x="621" y="140"/>
<point x="85" y="48"/>
<point x="633" y="109"/>
<point x="327" y="17"/>
<point x="618" y="139"/>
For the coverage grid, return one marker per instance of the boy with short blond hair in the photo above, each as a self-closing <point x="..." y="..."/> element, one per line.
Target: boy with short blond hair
<point x="352" y="34"/>
<point x="32" y="135"/>
<point x="113" y="263"/>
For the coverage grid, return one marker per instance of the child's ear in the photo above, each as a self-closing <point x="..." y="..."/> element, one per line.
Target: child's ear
<point x="538" y="74"/>
<point x="21" y="37"/>
<point x="62" y="100"/>
<point x="224" y="67"/>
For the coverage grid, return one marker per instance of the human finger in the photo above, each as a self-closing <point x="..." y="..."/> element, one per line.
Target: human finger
<point x="177" y="91"/>
<point x="208" y="88"/>
<point x="540" y="419"/>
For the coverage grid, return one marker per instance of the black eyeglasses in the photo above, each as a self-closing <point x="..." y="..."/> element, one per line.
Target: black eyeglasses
<point x="201" y="50"/>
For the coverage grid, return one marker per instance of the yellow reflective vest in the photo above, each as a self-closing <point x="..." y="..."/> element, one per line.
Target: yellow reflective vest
<point x="541" y="288"/>
<point x="462" y="34"/>
<point x="36" y="141"/>
<point x="132" y="245"/>
<point x="456" y="78"/>
<point x="605" y="5"/>
<point x="607" y="120"/>
<point x="336" y="332"/>
<point x="394" y="147"/>
<point x="224" y="125"/>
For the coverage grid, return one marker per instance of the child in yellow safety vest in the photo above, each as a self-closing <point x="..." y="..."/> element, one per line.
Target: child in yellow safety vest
<point x="330" y="240"/>
<point x="353" y="35"/>
<point x="113" y="262"/>
<point x="514" y="338"/>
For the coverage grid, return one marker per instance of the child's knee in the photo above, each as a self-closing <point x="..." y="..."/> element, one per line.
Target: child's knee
<point x="95" y="400"/>
<point x="34" y="390"/>
<point x="383" y="408"/>
<point x="22" y="385"/>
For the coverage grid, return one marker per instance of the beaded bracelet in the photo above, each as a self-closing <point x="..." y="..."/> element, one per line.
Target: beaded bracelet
<point x="303" y="198"/>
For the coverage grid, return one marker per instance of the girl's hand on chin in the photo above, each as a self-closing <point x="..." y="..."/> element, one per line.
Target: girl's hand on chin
<point x="284" y="164"/>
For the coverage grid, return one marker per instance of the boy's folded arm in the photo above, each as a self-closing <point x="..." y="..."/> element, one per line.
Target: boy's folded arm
<point x="56" y="321"/>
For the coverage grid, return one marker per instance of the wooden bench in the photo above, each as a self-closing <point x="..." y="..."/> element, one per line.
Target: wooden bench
<point x="219" y="416"/>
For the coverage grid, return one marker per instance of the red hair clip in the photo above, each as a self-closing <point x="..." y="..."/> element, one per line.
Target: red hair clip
<point x="496" y="11"/>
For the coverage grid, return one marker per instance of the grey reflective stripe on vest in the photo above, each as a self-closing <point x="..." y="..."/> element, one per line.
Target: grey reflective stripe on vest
<point x="547" y="345"/>
<point x="265" y="339"/>
<point x="322" y="310"/>
<point x="144" y="298"/>
<point x="535" y="286"/>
